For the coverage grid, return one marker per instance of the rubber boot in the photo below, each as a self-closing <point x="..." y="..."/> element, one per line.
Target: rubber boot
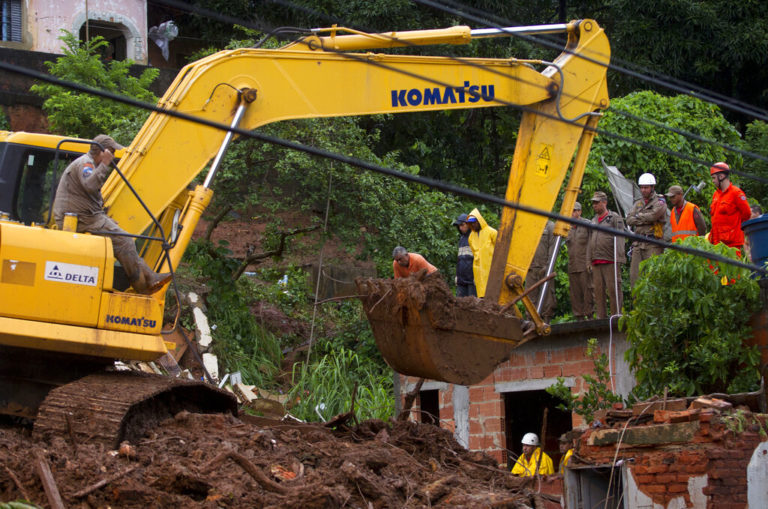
<point x="156" y="282"/>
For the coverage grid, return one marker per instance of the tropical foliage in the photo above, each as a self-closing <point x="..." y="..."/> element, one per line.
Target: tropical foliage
<point x="688" y="324"/>
<point x="72" y="113"/>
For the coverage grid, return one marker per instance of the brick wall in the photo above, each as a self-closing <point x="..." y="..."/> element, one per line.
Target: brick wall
<point x="697" y="464"/>
<point x="533" y="366"/>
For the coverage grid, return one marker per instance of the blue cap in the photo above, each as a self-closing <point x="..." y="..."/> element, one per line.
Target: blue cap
<point x="460" y="220"/>
<point x="471" y="219"/>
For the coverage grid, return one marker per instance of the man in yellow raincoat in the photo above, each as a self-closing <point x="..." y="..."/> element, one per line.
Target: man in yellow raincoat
<point x="482" y="240"/>
<point x="525" y="466"/>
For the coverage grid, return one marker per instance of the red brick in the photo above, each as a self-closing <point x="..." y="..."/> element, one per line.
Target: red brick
<point x="666" y="478"/>
<point x="518" y="359"/>
<point x="658" y="468"/>
<point x="541" y="357"/>
<point x="677" y="488"/>
<point x="575" y="353"/>
<point x="557" y="356"/>
<point x="517" y="374"/>
<point x="644" y="480"/>
<point x="552" y="371"/>
<point x="475" y="393"/>
<point x="654" y="488"/>
<point x="578" y="368"/>
<point x="492" y="425"/>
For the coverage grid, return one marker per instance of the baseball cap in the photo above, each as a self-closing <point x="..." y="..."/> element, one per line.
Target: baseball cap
<point x="599" y="196"/>
<point x="107" y="142"/>
<point x="576" y="205"/>
<point x="674" y="190"/>
<point x="471" y="219"/>
<point x="460" y="220"/>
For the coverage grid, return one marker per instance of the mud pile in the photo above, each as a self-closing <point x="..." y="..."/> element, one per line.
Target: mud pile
<point x="195" y="460"/>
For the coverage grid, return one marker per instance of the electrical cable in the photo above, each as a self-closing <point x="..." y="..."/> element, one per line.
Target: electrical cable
<point x="729" y="105"/>
<point x="641" y="143"/>
<point x="432" y="183"/>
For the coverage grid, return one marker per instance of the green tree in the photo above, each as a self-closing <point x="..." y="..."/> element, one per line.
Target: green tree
<point x="756" y="139"/>
<point x="72" y="113"/>
<point x="687" y="328"/>
<point x="681" y="112"/>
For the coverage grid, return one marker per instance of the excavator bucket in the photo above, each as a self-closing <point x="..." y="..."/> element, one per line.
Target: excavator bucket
<point x="422" y="330"/>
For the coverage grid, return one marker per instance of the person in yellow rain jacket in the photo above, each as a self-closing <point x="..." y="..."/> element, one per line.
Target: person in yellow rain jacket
<point x="482" y="240"/>
<point x="525" y="466"/>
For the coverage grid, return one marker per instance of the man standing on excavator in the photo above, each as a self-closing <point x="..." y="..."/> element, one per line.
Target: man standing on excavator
<point x="482" y="241"/>
<point x="79" y="193"/>
<point x="647" y="218"/>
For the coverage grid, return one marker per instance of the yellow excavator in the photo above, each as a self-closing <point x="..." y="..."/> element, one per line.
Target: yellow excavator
<point x="66" y="313"/>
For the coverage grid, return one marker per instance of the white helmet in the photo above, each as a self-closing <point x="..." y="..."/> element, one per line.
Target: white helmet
<point x="530" y="439"/>
<point x="646" y="179"/>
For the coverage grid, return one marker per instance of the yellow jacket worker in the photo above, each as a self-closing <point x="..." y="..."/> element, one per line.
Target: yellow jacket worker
<point x="482" y="240"/>
<point x="525" y="466"/>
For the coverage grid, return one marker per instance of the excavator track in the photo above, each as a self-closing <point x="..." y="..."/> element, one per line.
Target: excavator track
<point x="422" y="330"/>
<point x="111" y="407"/>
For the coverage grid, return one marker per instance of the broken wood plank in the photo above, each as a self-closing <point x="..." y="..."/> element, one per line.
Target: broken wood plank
<point x="249" y="467"/>
<point x="95" y="486"/>
<point x="49" y="483"/>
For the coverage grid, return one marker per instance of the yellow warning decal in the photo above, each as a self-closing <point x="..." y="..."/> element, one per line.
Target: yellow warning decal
<point x="544" y="160"/>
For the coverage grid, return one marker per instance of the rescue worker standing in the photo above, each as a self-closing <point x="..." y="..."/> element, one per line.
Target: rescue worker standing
<point x="404" y="263"/>
<point x="526" y="464"/>
<point x="647" y="218"/>
<point x="728" y="210"/>
<point x="465" y="277"/>
<point x="580" y="281"/>
<point x="685" y="219"/>
<point x="482" y="240"/>
<point x="79" y="193"/>
<point x="605" y="252"/>
<point x="538" y="271"/>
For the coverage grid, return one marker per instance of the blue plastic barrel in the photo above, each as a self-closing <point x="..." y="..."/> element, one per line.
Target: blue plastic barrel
<point x="757" y="231"/>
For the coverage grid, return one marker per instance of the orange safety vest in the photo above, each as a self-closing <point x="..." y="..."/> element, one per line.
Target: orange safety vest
<point x="686" y="225"/>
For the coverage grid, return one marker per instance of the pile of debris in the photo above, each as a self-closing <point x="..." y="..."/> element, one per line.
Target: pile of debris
<point x="196" y="460"/>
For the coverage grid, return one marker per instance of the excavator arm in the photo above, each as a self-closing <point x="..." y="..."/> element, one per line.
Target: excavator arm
<point x="324" y="75"/>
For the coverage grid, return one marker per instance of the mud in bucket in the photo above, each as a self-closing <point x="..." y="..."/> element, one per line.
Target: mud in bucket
<point x="757" y="231"/>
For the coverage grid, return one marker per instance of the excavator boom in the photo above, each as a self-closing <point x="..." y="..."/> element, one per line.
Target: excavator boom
<point x="421" y="332"/>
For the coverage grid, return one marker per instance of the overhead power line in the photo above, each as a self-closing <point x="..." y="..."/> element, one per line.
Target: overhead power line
<point x="634" y="141"/>
<point x="731" y="104"/>
<point x="432" y="183"/>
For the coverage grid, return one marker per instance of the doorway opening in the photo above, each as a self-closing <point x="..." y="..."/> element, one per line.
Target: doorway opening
<point x="524" y="413"/>
<point x="429" y="404"/>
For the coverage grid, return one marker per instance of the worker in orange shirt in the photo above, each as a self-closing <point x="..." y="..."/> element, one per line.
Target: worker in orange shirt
<point x="406" y="263"/>
<point x="686" y="218"/>
<point x="728" y="210"/>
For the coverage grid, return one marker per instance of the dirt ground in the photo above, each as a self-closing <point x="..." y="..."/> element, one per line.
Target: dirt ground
<point x="211" y="461"/>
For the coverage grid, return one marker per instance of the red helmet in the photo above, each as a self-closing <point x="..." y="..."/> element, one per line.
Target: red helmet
<point x="719" y="168"/>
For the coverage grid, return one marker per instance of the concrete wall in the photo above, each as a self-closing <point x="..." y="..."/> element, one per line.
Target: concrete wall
<point x="44" y="20"/>
<point x="476" y="414"/>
